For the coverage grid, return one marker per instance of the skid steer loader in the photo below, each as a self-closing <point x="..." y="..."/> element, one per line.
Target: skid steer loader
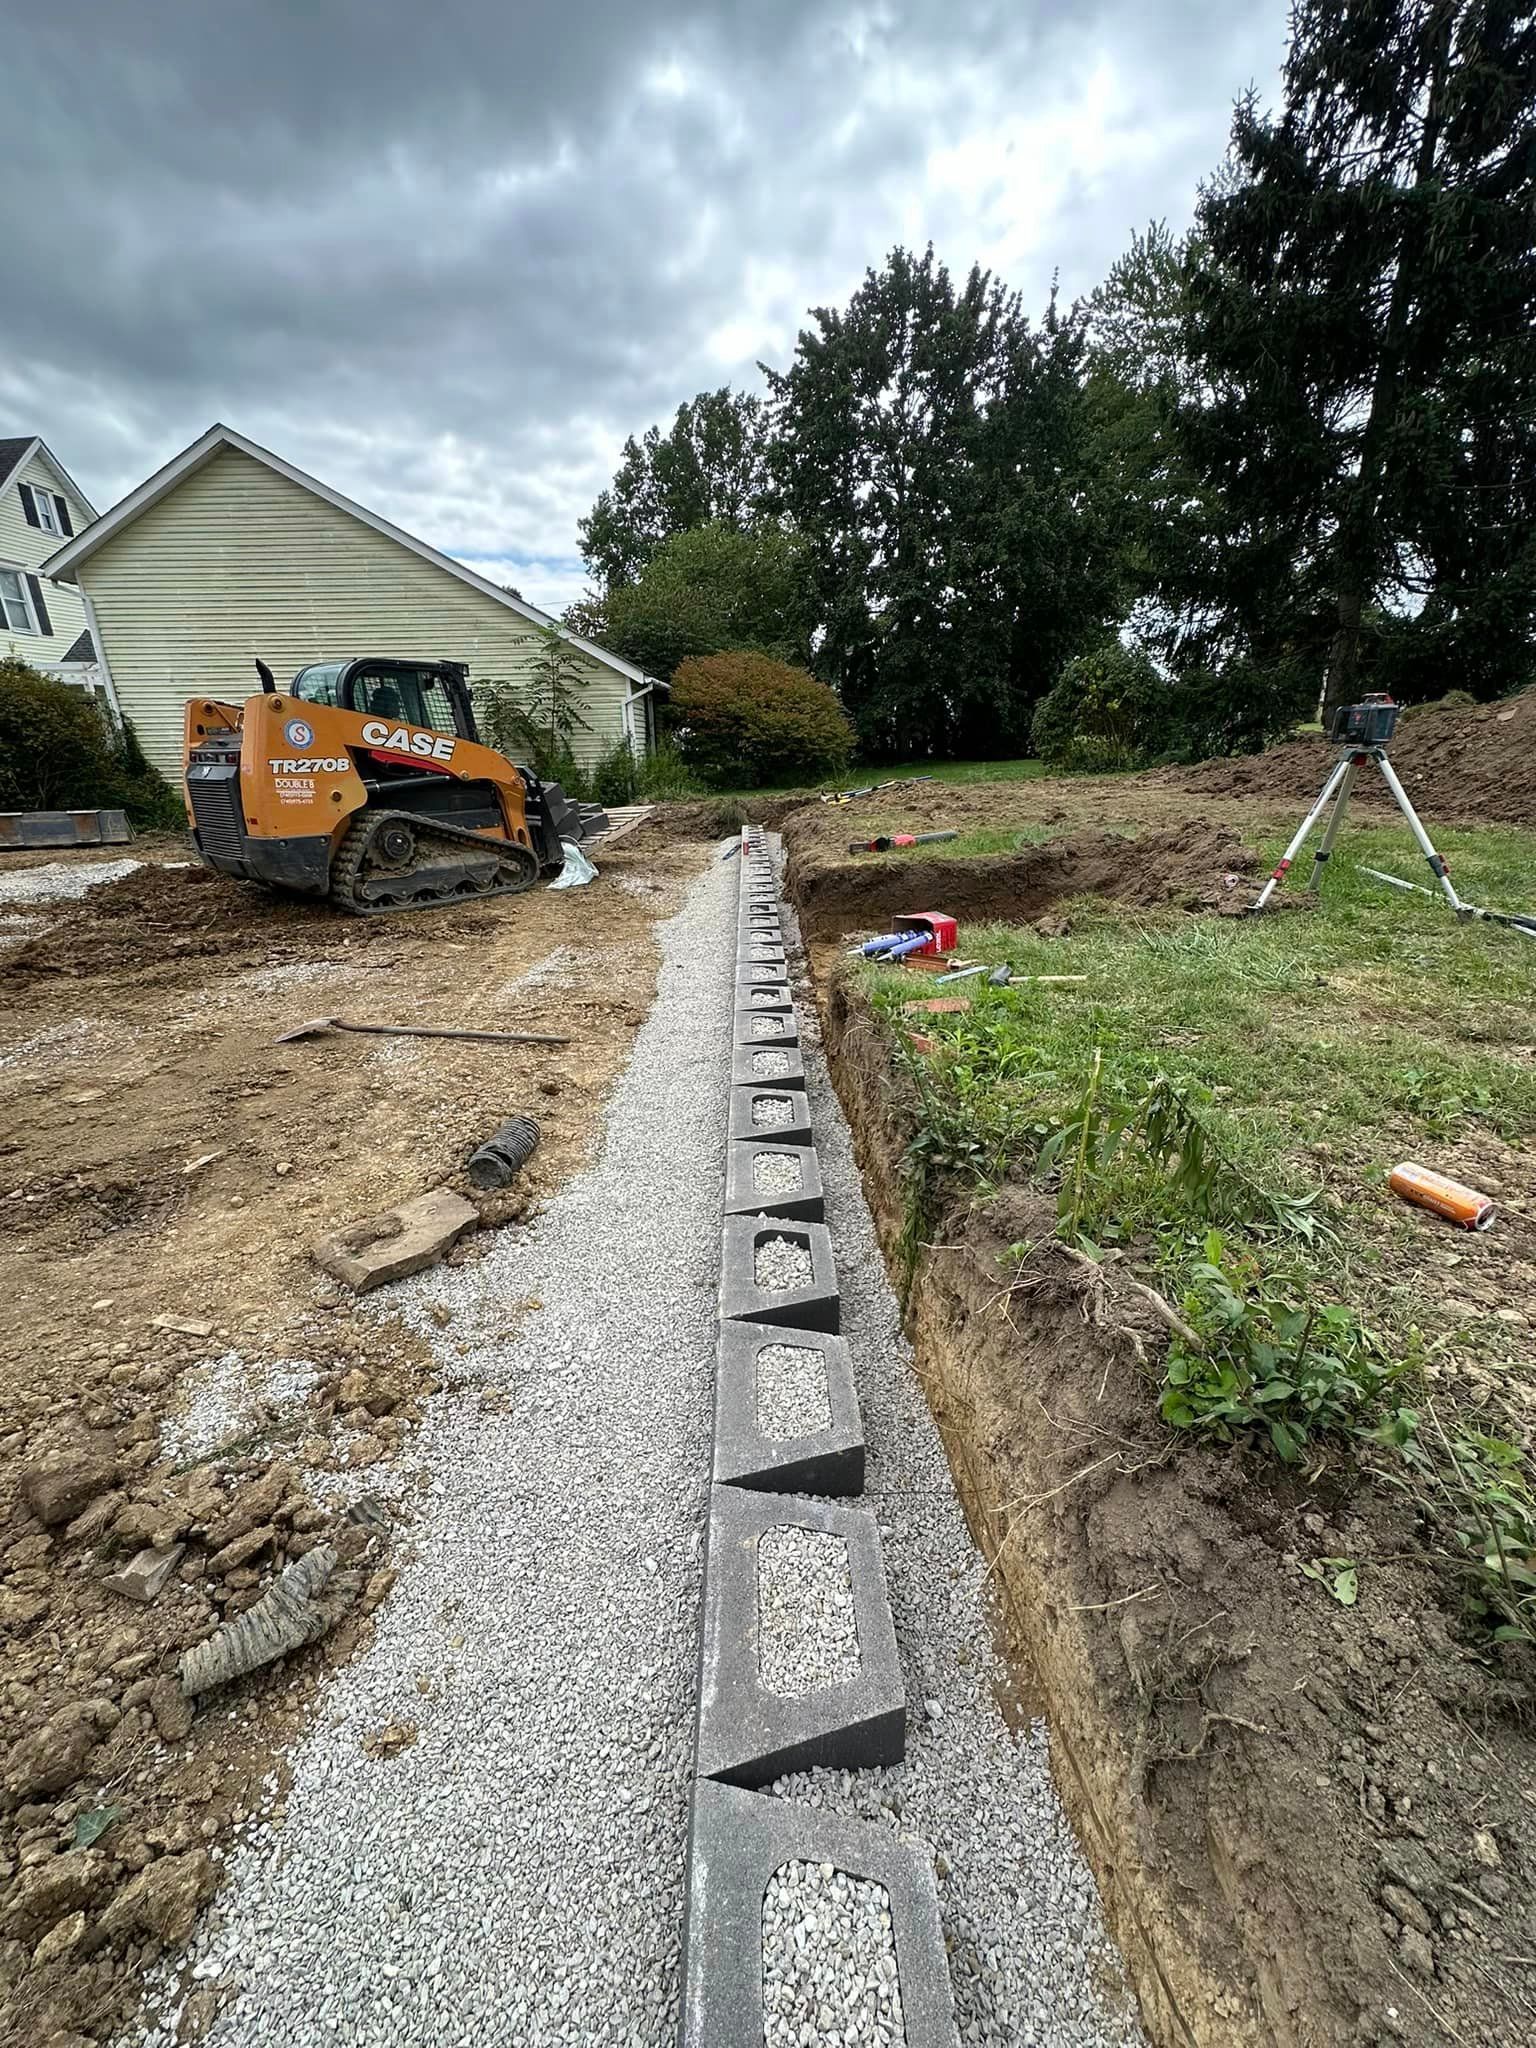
<point x="365" y="782"/>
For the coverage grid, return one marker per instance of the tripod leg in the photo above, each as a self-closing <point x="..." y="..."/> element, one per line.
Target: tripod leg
<point x="1335" y="821"/>
<point x="1437" y="866"/>
<point x="1336" y="776"/>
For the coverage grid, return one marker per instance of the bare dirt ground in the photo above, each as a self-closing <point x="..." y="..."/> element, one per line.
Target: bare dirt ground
<point x="1313" y="1826"/>
<point x="162" y="1158"/>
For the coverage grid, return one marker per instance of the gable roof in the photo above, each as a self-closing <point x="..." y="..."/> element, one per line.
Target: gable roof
<point x="16" y="453"/>
<point x="62" y="565"/>
<point x="81" y="648"/>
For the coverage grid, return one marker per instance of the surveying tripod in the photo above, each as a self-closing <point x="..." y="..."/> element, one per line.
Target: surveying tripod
<point x="1363" y="731"/>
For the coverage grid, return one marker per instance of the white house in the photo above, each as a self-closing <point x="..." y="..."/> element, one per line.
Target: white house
<point x="42" y="622"/>
<point x="229" y="554"/>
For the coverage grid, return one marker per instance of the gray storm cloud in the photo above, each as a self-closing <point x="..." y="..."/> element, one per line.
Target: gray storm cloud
<point x="447" y="256"/>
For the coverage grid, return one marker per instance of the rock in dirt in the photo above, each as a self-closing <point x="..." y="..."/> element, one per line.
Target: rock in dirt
<point x="1410" y="1864"/>
<point x="20" y="1610"/>
<point x="242" y="1550"/>
<point x="251" y="1507"/>
<point x="144" y="1576"/>
<point x="1417" y="1953"/>
<point x="172" y="1710"/>
<point x="59" y="1489"/>
<point x="405" y="1239"/>
<point x="161" y="1902"/>
<point x="53" y="1756"/>
<point x="59" y="1941"/>
<point x="48" y="1891"/>
<point x="1403" y="1906"/>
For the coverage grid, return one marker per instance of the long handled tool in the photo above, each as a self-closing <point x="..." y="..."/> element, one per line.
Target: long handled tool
<point x="890" y="839"/>
<point x="1512" y="918"/>
<point x="316" y="1027"/>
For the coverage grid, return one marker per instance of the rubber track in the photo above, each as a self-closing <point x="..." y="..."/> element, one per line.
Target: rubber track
<point x="347" y="868"/>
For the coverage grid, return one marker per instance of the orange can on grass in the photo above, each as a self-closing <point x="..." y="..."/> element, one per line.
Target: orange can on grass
<point x="1449" y="1198"/>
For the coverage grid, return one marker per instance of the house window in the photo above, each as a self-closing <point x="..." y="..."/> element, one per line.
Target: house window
<point x="13" y="603"/>
<point x="47" y="517"/>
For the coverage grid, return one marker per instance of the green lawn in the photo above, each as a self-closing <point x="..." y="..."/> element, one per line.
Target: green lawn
<point x="1220" y="1098"/>
<point x="941" y="771"/>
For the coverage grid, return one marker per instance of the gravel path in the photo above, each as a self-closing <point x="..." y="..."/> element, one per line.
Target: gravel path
<point x="1029" y="1960"/>
<point x="792" y="1397"/>
<point x="781" y="1263"/>
<point x="776" y="1173"/>
<point x="515" y="1876"/>
<point x="829" y="1951"/>
<point x="807" y="1634"/>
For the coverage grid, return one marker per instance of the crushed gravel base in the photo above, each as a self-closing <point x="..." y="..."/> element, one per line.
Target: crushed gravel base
<point x="792" y="1396"/>
<point x="829" y="1961"/>
<point x="769" y="1111"/>
<point x="781" y="1263"/>
<point x="807" y="1635"/>
<point x="514" y="1879"/>
<point x="776" y="1173"/>
<point x="60" y="881"/>
<point x="1029" y="1960"/>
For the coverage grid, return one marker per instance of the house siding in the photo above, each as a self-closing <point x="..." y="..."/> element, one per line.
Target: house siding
<point x="23" y="547"/>
<point x="238" y="562"/>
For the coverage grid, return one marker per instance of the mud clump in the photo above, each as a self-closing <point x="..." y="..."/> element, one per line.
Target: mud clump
<point x="1474" y="763"/>
<point x="1196" y="865"/>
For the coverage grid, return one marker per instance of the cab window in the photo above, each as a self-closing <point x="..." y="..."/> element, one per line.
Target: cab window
<point x="405" y="696"/>
<point x="317" y="683"/>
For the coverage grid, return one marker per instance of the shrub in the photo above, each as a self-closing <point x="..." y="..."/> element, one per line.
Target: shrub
<point x="60" y="751"/>
<point x="743" y="718"/>
<point x="663" y="776"/>
<point x="1110" y="708"/>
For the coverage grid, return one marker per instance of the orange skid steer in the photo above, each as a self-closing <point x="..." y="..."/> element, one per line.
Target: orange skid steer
<point x="365" y="782"/>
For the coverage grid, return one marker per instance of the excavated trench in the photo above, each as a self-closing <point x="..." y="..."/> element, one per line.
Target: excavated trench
<point x="1206" y="1722"/>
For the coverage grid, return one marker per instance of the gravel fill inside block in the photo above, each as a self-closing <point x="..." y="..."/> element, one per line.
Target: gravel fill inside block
<point x="768" y="1027"/>
<point x="811" y="1304"/>
<point x="793" y="1398"/>
<point x="768" y="1113"/>
<point x="829" y="1960"/>
<point x="754" y="1065"/>
<point x="767" y="1066"/>
<point x="782" y="1263"/>
<point x="807" y="1636"/>
<point x="778" y="1173"/>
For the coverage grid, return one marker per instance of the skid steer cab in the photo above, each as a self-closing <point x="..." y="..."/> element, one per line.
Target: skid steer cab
<point x="365" y="782"/>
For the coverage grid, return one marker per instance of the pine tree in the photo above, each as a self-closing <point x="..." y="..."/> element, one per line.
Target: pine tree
<point x="1361" y="323"/>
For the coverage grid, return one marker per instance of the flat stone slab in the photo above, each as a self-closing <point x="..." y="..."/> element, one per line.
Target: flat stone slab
<point x="749" y="1735"/>
<point x="816" y="1307"/>
<point x="406" y="1239"/>
<point x="736" y="1842"/>
<point x="792" y="1130"/>
<point x="743" y="1196"/>
<point x="144" y="1576"/>
<point x="745" y="1074"/>
<point x="827" y="1460"/>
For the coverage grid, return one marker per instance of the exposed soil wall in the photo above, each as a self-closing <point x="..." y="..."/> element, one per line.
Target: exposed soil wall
<point x="1288" y="1805"/>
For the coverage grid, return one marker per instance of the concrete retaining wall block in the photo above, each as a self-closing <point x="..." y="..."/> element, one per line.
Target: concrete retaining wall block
<point x="777" y="994"/>
<point x="794" y="1129"/>
<point x="816" y="1307"/>
<point x="745" y="1074"/>
<point x="750" y="1736"/>
<point x="743" y="1197"/>
<point x="736" y="1841"/>
<point x="828" y="1460"/>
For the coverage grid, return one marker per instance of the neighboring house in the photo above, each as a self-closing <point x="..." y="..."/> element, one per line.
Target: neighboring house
<point x="41" y="621"/>
<point x="229" y="553"/>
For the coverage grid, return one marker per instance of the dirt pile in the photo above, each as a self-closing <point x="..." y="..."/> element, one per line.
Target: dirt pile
<point x="1472" y="763"/>
<point x="178" y="913"/>
<point x="1188" y="864"/>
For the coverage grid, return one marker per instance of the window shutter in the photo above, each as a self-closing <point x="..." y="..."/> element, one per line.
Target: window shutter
<point x="39" y="609"/>
<point x="29" y="507"/>
<point x="63" y="511"/>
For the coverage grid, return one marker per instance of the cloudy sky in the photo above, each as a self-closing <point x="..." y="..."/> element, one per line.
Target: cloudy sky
<point x="446" y="254"/>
